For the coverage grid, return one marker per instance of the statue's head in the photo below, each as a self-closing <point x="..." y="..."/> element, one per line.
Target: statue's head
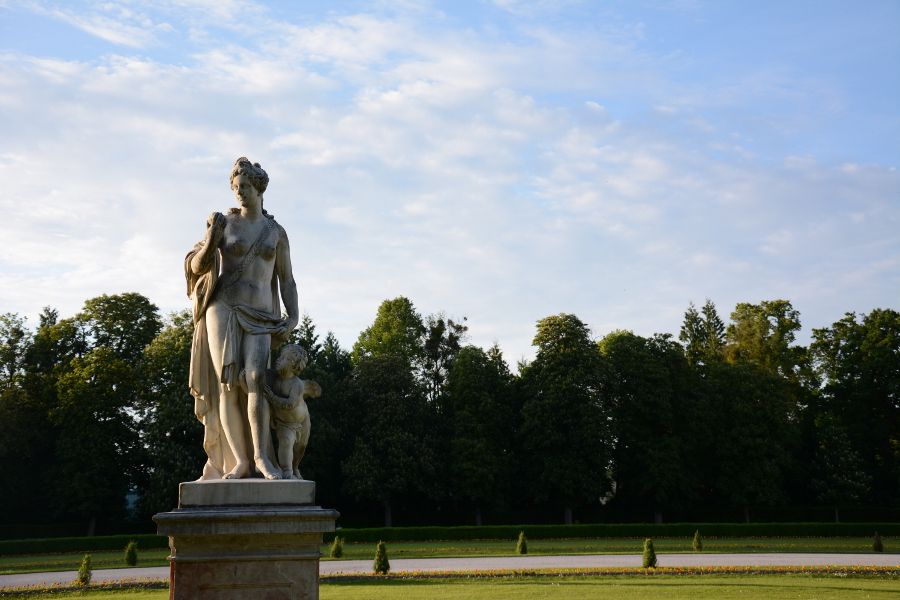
<point x="292" y="356"/>
<point x="255" y="173"/>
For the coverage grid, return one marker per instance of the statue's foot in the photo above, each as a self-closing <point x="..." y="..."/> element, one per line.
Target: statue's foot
<point x="297" y="475"/>
<point x="240" y="471"/>
<point x="287" y="474"/>
<point x="266" y="469"/>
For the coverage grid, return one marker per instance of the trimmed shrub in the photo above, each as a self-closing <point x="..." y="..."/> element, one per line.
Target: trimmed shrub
<point x="131" y="553"/>
<point x="381" y="565"/>
<point x="697" y="544"/>
<point x="649" y="558"/>
<point x="522" y="544"/>
<point x="337" y="547"/>
<point x="877" y="545"/>
<point x="82" y="544"/>
<point x="603" y="530"/>
<point x="85" y="572"/>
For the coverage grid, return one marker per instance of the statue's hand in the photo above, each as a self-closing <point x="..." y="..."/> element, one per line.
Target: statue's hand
<point x="215" y="225"/>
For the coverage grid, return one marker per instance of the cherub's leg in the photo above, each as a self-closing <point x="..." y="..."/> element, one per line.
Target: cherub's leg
<point x="286" y="439"/>
<point x="256" y="356"/>
<point x="300" y="449"/>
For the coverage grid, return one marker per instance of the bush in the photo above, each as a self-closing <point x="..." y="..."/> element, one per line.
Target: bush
<point x="337" y="547"/>
<point x="877" y="546"/>
<point x="85" y="572"/>
<point x="522" y="544"/>
<point x="131" y="553"/>
<point x="649" y="558"/>
<point x="381" y="566"/>
<point x="603" y="530"/>
<point x="84" y="544"/>
<point x="697" y="544"/>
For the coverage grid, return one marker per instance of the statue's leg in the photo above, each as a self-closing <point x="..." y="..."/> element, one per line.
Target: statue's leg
<point x="256" y="358"/>
<point x="230" y="414"/>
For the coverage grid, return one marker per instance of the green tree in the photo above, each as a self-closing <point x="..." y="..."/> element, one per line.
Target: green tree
<point x="565" y="434"/>
<point x="124" y="323"/>
<point x="478" y="412"/>
<point x="763" y="334"/>
<point x="754" y="429"/>
<point x="442" y="344"/>
<point x="97" y="451"/>
<point x="703" y="335"/>
<point x="397" y="331"/>
<point x="648" y="386"/>
<point x="839" y="477"/>
<point x="171" y="436"/>
<point x="392" y="456"/>
<point x="14" y="343"/>
<point x="857" y="358"/>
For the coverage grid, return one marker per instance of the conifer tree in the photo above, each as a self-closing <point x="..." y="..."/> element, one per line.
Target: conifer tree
<point x="522" y="544"/>
<point x="131" y="557"/>
<point x="381" y="566"/>
<point x="337" y="547"/>
<point x="697" y="544"/>
<point x="85" y="571"/>
<point x="649" y="557"/>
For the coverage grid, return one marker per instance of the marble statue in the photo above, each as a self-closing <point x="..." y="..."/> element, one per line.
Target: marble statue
<point x="290" y="416"/>
<point x="236" y="276"/>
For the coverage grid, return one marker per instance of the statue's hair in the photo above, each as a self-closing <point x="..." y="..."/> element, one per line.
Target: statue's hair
<point x="296" y="356"/>
<point x="258" y="177"/>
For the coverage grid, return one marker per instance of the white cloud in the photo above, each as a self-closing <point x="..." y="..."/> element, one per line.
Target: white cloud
<point x="492" y="177"/>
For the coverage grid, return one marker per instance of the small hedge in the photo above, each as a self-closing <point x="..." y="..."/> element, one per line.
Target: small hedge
<point x="82" y="544"/>
<point x="492" y="532"/>
<point x="609" y="530"/>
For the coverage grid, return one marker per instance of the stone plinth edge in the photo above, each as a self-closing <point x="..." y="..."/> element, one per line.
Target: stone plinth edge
<point x="246" y="492"/>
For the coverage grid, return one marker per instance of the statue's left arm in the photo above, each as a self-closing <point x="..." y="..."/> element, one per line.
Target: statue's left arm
<point x="286" y="283"/>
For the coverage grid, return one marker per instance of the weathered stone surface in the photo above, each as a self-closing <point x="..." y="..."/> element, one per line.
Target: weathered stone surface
<point x="267" y="549"/>
<point x="260" y="492"/>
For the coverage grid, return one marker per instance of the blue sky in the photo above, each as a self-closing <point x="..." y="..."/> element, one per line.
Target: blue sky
<point x="500" y="160"/>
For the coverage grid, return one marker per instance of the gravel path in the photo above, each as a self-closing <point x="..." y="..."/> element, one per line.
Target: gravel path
<point x="486" y="563"/>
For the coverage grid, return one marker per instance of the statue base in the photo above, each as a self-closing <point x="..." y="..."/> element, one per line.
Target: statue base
<point x="243" y="539"/>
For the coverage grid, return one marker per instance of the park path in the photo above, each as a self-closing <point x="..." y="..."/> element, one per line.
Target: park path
<point x="488" y="563"/>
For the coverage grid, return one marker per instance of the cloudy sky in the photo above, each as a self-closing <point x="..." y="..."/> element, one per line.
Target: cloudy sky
<point x="502" y="161"/>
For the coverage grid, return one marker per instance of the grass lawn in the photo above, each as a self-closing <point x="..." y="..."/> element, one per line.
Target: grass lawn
<point x="29" y="563"/>
<point x="577" y="588"/>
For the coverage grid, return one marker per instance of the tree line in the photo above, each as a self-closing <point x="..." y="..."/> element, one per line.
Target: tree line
<point x="417" y="426"/>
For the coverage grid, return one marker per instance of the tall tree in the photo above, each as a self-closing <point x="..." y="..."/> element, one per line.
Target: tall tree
<point x="477" y="408"/>
<point x="124" y="323"/>
<point x="97" y="451"/>
<point x="754" y="434"/>
<point x="763" y="334"/>
<point x="14" y="343"/>
<point x="172" y="437"/>
<point x="397" y="331"/>
<point x="857" y="359"/>
<point x="565" y="431"/>
<point x="442" y="344"/>
<point x="648" y="385"/>
<point x="391" y="456"/>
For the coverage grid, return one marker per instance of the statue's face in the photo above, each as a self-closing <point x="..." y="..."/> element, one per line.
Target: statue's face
<point x="246" y="195"/>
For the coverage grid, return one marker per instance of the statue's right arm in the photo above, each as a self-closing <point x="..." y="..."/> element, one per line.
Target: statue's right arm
<point x="203" y="259"/>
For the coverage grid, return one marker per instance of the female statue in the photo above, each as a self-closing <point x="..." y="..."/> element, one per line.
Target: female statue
<point x="233" y="277"/>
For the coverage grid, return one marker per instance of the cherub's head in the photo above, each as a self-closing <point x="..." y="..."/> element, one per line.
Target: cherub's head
<point x="293" y="358"/>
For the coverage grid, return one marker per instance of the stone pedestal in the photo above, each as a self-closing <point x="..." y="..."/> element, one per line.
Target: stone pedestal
<point x="245" y="539"/>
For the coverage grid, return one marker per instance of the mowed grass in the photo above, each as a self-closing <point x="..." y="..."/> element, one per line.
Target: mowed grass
<point x="31" y="563"/>
<point x="718" y="587"/>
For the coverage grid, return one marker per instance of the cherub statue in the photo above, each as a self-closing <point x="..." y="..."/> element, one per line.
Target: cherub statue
<point x="286" y="394"/>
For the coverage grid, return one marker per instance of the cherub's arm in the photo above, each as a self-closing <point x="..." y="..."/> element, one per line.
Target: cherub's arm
<point x="285" y="402"/>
